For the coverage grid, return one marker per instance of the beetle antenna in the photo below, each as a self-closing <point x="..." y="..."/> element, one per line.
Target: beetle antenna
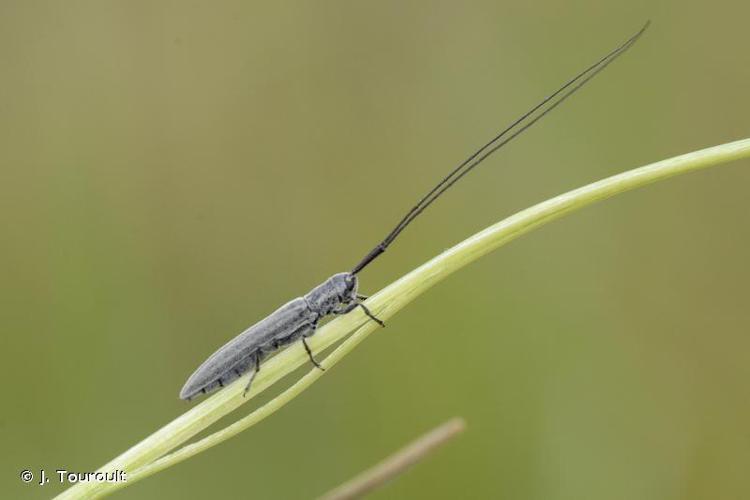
<point x="505" y="136"/>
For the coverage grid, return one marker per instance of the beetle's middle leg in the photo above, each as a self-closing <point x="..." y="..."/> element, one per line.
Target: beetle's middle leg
<point x="310" y="355"/>
<point x="305" y="332"/>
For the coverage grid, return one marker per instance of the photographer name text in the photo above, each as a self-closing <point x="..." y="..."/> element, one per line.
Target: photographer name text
<point x="64" y="476"/>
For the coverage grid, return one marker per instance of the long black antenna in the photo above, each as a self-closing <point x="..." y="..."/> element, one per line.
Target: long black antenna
<point x="508" y="134"/>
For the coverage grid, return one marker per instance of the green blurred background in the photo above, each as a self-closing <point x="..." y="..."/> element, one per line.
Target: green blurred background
<point x="173" y="171"/>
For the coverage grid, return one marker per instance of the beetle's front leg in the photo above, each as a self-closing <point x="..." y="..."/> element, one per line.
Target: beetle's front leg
<point x="353" y="305"/>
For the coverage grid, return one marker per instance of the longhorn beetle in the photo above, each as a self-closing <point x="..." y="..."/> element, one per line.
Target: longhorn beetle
<point x="299" y="318"/>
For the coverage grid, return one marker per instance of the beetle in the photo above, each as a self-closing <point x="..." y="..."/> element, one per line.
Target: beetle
<point x="299" y="318"/>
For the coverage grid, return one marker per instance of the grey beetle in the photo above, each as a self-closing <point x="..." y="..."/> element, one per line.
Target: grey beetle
<point x="294" y="320"/>
<point x="299" y="318"/>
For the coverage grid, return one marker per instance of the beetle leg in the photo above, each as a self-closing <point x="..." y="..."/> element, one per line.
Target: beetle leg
<point x="309" y="353"/>
<point x="252" y="375"/>
<point x="354" y="305"/>
<point x="369" y="314"/>
<point x="345" y="309"/>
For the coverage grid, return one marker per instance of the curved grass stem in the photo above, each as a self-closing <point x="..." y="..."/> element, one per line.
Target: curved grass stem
<point x="148" y="456"/>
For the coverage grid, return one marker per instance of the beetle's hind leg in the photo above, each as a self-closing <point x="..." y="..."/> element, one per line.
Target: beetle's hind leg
<point x="252" y="375"/>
